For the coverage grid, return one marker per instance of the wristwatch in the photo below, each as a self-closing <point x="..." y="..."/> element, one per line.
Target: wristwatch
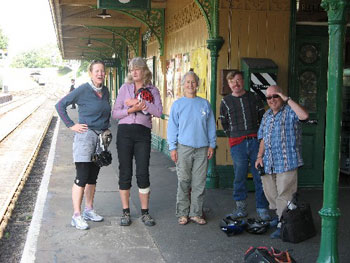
<point x="289" y="98"/>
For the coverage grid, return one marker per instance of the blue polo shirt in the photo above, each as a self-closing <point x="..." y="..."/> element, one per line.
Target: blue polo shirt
<point x="93" y="110"/>
<point x="282" y="140"/>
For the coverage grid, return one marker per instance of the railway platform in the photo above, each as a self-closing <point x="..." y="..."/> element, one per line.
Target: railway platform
<point x="51" y="238"/>
<point x="5" y="97"/>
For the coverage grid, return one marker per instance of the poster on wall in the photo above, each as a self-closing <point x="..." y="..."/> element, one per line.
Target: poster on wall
<point x="150" y="63"/>
<point x="178" y="75"/>
<point x="170" y="76"/>
<point x="182" y="65"/>
<point x="199" y="63"/>
<point x="159" y="76"/>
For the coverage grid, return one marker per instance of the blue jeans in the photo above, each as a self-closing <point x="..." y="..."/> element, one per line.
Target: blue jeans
<point x="242" y="154"/>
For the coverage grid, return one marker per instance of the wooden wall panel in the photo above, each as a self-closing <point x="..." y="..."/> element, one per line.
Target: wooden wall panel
<point x="223" y="155"/>
<point x="243" y="36"/>
<point x="253" y="34"/>
<point x="260" y="31"/>
<point x="262" y="36"/>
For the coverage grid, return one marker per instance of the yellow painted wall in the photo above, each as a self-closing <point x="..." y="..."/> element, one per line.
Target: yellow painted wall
<point x="185" y="32"/>
<point x="259" y="29"/>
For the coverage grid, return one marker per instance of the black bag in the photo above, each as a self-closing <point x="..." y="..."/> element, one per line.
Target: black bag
<point x="101" y="157"/>
<point x="297" y="224"/>
<point x="266" y="255"/>
<point x="258" y="255"/>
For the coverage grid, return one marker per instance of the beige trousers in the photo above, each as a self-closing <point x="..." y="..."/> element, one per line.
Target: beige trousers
<point x="192" y="166"/>
<point x="279" y="189"/>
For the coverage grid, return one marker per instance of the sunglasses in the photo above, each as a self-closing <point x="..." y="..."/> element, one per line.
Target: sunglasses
<point x="275" y="96"/>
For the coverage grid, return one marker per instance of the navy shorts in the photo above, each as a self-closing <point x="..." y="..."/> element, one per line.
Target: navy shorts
<point x="86" y="173"/>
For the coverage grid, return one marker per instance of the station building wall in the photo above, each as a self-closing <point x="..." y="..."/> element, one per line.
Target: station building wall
<point x="259" y="29"/>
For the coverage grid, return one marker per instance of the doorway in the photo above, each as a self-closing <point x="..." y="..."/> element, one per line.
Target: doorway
<point x="309" y="74"/>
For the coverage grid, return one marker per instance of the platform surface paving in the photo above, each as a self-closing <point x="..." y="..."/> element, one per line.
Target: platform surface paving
<point x="106" y="241"/>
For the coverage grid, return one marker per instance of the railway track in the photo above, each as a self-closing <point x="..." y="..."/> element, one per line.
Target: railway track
<point x="23" y="127"/>
<point x="7" y="107"/>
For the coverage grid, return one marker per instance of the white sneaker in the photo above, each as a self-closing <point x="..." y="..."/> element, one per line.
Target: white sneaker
<point x="79" y="223"/>
<point x="92" y="215"/>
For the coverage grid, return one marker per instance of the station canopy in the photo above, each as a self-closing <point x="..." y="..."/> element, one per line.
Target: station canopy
<point x="106" y="29"/>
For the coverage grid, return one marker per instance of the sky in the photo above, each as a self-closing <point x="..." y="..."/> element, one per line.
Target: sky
<point x="27" y="23"/>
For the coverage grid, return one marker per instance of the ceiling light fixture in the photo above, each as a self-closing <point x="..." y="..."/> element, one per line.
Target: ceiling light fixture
<point x="104" y="14"/>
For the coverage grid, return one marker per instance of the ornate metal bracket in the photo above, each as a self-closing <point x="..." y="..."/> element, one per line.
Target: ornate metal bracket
<point x="210" y="10"/>
<point x="115" y="44"/>
<point x="129" y="34"/>
<point x="336" y="10"/>
<point x="107" y="53"/>
<point x="153" y="19"/>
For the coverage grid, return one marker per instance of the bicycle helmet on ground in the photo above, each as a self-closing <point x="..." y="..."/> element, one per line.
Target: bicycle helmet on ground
<point x="255" y="226"/>
<point x="232" y="226"/>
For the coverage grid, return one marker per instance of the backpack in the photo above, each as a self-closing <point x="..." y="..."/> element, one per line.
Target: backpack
<point x="267" y="255"/>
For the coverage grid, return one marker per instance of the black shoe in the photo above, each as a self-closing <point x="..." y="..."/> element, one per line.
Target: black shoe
<point x="148" y="220"/>
<point x="125" y="220"/>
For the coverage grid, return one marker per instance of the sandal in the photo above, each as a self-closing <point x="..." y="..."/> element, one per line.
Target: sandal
<point x="198" y="220"/>
<point x="183" y="220"/>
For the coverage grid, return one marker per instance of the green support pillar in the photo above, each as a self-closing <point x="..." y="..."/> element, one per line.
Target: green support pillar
<point x="330" y="212"/>
<point x="214" y="45"/>
<point x="121" y="77"/>
<point x="116" y="87"/>
<point x="210" y="10"/>
<point x="111" y="80"/>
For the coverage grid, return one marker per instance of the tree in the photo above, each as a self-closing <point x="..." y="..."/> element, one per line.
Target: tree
<point x="44" y="57"/>
<point x="3" y="40"/>
<point x="83" y="67"/>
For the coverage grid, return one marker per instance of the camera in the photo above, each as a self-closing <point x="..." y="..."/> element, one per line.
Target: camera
<point x="261" y="170"/>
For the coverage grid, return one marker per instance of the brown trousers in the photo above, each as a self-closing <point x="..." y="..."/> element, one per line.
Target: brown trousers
<point x="279" y="189"/>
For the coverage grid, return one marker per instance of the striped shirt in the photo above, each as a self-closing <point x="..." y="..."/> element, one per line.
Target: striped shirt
<point x="282" y="140"/>
<point x="241" y="116"/>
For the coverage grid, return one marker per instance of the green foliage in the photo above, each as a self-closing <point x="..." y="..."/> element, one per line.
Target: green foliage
<point x="3" y="40"/>
<point x="64" y="70"/>
<point x="44" y="57"/>
<point x="83" y="67"/>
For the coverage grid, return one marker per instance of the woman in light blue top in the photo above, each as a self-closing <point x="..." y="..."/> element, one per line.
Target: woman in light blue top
<point x="192" y="140"/>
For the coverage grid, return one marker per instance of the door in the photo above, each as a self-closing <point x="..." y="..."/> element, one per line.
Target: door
<point x="309" y="88"/>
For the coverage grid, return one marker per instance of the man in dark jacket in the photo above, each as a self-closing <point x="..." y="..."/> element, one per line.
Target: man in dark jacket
<point x="240" y="114"/>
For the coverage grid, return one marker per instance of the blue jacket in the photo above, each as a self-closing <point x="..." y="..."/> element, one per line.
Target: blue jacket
<point x="93" y="110"/>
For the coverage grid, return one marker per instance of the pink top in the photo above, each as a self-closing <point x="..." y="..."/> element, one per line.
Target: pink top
<point x="120" y="109"/>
